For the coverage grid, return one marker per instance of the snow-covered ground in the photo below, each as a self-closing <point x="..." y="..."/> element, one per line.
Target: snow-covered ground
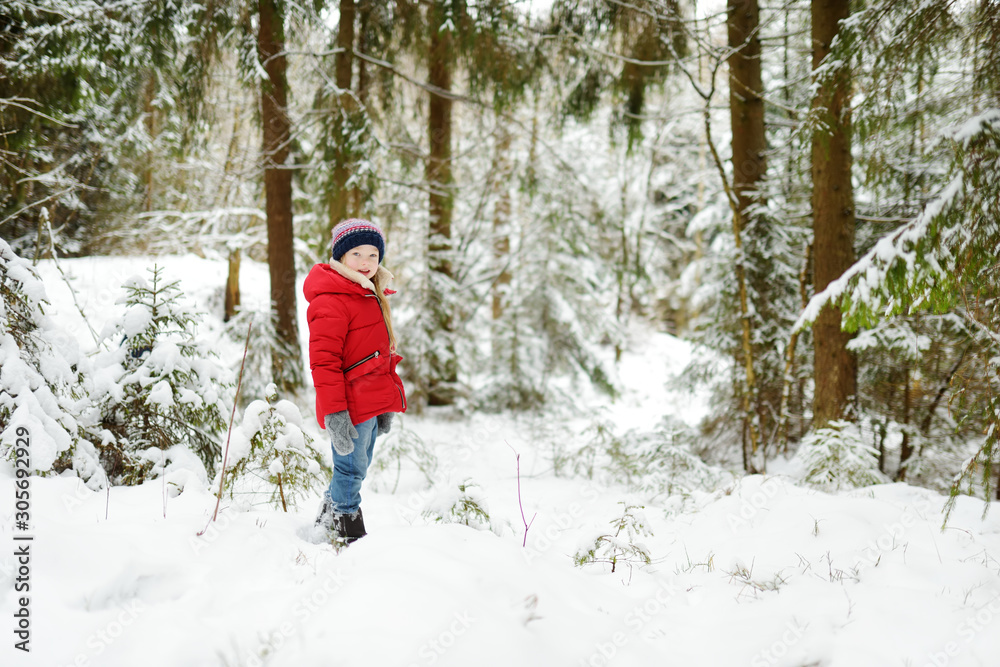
<point x="759" y="571"/>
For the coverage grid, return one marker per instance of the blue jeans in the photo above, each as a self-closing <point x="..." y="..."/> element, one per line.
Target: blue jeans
<point x="349" y="471"/>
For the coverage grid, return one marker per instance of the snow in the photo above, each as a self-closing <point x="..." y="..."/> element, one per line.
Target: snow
<point x="253" y="418"/>
<point x="975" y="125"/>
<point x="161" y="394"/>
<point x="136" y="321"/>
<point x="289" y="412"/>
<point x="762" y="570"/>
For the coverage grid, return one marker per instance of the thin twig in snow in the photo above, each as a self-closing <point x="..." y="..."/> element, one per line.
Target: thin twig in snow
<point x="229" y="433"/>
<point x="527" y="524"/>
<point x="72" y="291"/>
<point x="163" y="473"/>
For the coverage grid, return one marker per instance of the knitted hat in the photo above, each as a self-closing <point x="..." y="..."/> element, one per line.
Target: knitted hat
<point x="353" y="232"/>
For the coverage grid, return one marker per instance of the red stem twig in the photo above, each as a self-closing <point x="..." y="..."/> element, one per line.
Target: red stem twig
<point x="527" y="524"/>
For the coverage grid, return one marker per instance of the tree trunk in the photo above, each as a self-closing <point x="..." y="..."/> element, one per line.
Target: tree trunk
<point x="285" y="359"/>
<point x="149" y="113"/>
<point x="444" y="369"/>
<point x="749" y="391"/>
<point x="232" y="285"/>
<point x="439" y="176"/>
<point x="746" y="109"/>
<point x="500" y="289"/>
<point x="621" y="270"/>
<point x="906" y="447"/>
<point x="835" y="367"/>
<point x="340" y="197"/>
<point x="789" y="373"/>
<point x="746" y="105"/>
<point x="344" y="60"/>
<point x="501" y="224"/>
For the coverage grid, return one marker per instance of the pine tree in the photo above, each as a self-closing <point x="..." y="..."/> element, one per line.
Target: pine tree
<point x="644" y="38"/>
<point x="155" y="385"/>
<point x="942" y="260"/>
<point x="346" y="120"/>
<point x="746" y="109"/>
<point x="287" y="360"/>
<point x="837" y="457"/>
<point x="834" y="366"/>
<point x="38" y="384"/>
<point x="751" y="272"/>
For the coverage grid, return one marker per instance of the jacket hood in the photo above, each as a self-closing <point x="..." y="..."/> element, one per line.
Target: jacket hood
<point x="336" y="278"/>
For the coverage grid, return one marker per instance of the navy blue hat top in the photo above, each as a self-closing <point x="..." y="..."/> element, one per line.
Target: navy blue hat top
<point x="353" y="232"/>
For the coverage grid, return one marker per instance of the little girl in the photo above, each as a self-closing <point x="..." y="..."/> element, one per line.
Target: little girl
<point x="352" y="353"/>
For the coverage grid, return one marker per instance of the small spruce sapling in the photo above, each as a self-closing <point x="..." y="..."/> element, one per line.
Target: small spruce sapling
<point x="156" y="385"/>
<point x="601" y="439"/>
<point x="667" y="464"/>
<point x="273" y="455"/>
<point x="468" y="506"/>
<point x="614" y="546"/>
<point x="837" y="457"/>
<point x="658" y="461"/>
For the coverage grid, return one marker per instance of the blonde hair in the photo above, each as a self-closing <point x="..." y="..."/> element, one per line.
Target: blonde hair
<point x="381" y="282"/>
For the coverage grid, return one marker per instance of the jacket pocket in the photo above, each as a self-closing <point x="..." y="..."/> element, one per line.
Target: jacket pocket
<point x="369" y="364"/>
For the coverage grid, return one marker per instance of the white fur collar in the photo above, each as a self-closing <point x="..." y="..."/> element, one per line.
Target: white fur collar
<point x="356" y="277"/>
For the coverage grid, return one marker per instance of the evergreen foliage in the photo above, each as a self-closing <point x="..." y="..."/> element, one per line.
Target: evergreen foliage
<point x="930" y="169"/>
<point x="944" y="261"/>
<point x="644" y="38"/>
<point x="155" y="385"/>
<point x="654" y="462"/>
<point x="464" y="504"/>
<point x="837" y="457"/>
<point x="38" y="381"/>
<point x="85" y="92"/>
<point x="271" y="455"/>
<point x="552" y="316"/>
<point x="620" y="545"/>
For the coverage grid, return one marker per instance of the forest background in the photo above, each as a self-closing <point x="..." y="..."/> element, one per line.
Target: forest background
<point x="807" y="189"/>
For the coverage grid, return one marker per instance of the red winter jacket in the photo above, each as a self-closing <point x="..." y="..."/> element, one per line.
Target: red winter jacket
<point x="353" y="368"/>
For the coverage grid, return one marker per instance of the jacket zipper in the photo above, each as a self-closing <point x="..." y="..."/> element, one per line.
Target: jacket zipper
<point x="402" y="401"/>
<point x="368" y="358"/>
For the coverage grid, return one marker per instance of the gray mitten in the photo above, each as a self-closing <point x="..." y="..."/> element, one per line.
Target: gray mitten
<point x="384" y="422"/>
<point x="341" y="431"/>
